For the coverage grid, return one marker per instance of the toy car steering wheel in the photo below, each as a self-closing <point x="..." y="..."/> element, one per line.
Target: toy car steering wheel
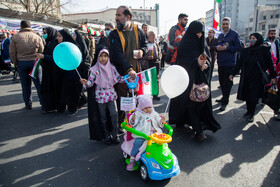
<point x="160" y="138"/>
<point x="131" y="85"/>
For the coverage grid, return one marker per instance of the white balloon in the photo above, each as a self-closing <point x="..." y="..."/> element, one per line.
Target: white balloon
<point x="174" y="81"/>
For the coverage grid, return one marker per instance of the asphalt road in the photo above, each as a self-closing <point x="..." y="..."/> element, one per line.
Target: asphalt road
<point x="54" y="149"/>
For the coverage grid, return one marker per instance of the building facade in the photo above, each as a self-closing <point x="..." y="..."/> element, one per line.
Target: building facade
<point x="262" y="19"/>
<point x="209" y="18"/>
<point x="147" y="16"/>
<point x="240" y="10"/>
<point x="49" y="8"/>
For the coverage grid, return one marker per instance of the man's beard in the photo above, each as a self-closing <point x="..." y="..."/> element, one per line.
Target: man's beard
<point x="121" y="25"/>
<point x="272" y="38"/>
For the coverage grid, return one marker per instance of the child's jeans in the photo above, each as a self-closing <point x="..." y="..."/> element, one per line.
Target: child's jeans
<point x="111" y="107"/>
<point x="136" y="146"/>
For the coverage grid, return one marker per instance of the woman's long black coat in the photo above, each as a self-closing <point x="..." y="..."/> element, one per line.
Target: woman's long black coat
<point x="50" y="79"/>
<point x="182" y="109"/>
<point x="250" y="85"/>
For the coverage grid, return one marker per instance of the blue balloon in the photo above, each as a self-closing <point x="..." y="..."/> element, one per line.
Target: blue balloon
<point x="67" y="56"/>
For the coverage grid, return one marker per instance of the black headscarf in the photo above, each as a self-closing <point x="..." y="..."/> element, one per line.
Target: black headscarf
<point x="260" y="40"/>
<point x="81" y="44"/>
<point x="52" y="34"/>
<point x="191" y="45"/>
<point x="67" y="36"/>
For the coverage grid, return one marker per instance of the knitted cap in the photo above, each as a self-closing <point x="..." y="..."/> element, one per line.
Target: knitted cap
<point x="144" y="101"/>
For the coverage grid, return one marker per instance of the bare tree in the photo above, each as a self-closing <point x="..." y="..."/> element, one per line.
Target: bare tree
<point x="45" y="7"/>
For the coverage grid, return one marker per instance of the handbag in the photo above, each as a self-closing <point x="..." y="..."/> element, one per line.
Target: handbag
<point x="272" y="98"/>
<point x="199" y="92"/>
<point x="265" y="77"/>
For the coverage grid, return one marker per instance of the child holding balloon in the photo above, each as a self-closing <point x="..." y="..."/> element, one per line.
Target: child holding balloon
<point x="105" y="76"/>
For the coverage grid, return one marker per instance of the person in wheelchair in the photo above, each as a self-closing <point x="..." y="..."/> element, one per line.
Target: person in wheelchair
<point x="145" y="119"/>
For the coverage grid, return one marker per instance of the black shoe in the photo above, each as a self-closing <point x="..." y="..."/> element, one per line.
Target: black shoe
<point x="116" y="140"/>
<point x="218" y="100"/>
<point x="108" y="141"/>
<point x="223" y="107"/>
<point x="180" y="126"/>
<point x="28" y="107"/>
<point x="250" y="118"/>
<point x="155" y="97"/>
<point x="246" y="115"/>
<point x="121" y="131"/>
<point x="72" y="113"/>
<point x="47" y="111"/>
<point x="200" y="137"/>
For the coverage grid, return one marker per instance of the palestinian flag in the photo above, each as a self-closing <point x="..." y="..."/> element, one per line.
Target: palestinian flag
<point x="148" y="83"/>
<point x="34" y="71"/>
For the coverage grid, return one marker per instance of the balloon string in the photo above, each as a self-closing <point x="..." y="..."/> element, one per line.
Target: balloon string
<point x="165" y="113"/>
<point x="78" y="73"/>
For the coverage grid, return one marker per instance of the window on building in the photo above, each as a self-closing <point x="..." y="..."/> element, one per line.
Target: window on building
<point x="264" y="17"/>
<point x="263" y="27"/>
<point x="251" y="19"/>
<point x="272" y="26"/>
<point x="277" y="16"/>
<point x="271" y="17"/>
<point x="250" y="28"/>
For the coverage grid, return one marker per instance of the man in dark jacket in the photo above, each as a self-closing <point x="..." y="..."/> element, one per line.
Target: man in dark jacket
<point x="227" y="46"/>
<point x="125" y="41"/>
<point x="103" y="41"/>
<point x="5" y="53"/>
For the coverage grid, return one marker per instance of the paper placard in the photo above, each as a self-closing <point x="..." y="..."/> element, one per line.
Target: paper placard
<point x="127" y="103"/>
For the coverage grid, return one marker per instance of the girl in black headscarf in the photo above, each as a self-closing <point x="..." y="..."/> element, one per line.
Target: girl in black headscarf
<point x="183" y="110"/>
<point x="70" y="84"/>
<point x="251" y="87"/>
<point x="49" y="68"/>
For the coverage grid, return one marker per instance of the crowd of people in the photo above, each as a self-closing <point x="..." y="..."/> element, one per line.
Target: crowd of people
<point x="127" y="49"/>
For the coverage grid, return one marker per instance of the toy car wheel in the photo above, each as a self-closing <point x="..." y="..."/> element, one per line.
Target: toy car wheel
<point x="125" y="155"/>
<point x="144" y="172"/>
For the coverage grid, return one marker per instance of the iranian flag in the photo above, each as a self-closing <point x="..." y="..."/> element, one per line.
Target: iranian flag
<point x="148" y="82"/>
<point x="34" y="71"/>
<point x="216" y="23"/>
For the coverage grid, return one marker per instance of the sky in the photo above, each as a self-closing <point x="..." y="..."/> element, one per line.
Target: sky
<point x="168" y="9"/>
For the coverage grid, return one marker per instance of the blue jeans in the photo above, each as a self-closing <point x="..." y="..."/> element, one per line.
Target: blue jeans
<point x="24" y="68"/>
<point x="136" y="146"/>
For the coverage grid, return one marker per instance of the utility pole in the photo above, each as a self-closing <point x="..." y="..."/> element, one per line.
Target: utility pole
<point x="144" y="9"/>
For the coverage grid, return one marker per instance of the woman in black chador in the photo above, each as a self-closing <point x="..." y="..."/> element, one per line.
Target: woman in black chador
<point x="49" y="79"/>
<point x="70" y="88"/>
<point x="182" y="110"/>
<point x="252" y="61"/>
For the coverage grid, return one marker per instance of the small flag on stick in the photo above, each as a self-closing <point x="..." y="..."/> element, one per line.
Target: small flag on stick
<point x="34" y="71"/>
<point x="148" y="82"/>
